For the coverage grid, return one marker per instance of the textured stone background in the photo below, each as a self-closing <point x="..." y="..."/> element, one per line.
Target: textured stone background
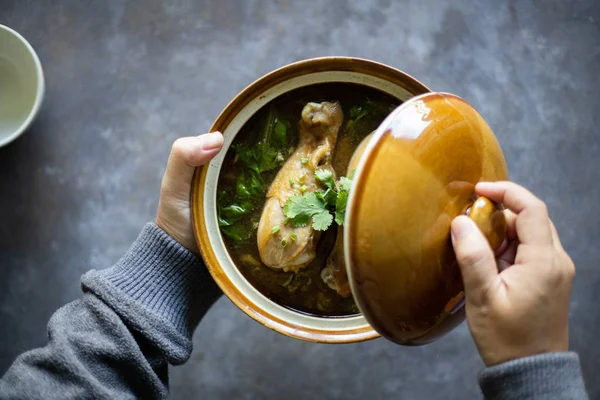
<point x="125" y="78"/>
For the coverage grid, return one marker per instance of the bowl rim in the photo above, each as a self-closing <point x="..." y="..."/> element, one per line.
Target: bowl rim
<point x="241" y="100"/>
<point x="40" y="90"/>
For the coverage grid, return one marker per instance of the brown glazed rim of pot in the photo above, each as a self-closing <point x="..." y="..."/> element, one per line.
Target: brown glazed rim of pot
<point x="252" y="91"/>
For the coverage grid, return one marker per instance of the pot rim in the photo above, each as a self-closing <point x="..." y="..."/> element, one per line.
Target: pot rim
<point x="253" y="91"/>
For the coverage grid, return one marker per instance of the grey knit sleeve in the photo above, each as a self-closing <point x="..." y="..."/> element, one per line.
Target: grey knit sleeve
<point x="554" y="376"/>
<point x="117" y="340"/>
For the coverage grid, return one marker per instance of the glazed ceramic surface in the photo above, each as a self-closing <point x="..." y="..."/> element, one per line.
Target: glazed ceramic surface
<point x="21" y="84"/>
<point x="203" y="195"/>
<point x="416" y="174"/>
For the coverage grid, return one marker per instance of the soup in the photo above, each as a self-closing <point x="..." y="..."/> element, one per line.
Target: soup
<point x="282" y="191"/>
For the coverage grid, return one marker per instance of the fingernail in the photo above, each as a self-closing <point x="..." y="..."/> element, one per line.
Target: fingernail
<point x="461" y="227"/>
<point x="211" y="141"/>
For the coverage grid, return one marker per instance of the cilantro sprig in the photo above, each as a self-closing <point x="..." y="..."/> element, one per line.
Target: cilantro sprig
<point x="321" y="206"/>
<point x="300" y="209"/>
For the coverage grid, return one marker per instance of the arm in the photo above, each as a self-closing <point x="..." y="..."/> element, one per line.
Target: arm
<point x="116" y="341"/>
<point x="134" y="318"/>
<point x="517" y="301"/>
<point x="544" y="376"/>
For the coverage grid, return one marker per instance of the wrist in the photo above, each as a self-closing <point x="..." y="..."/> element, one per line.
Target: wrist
<point x="160" y="276"/>
<point x="499" y="354"/>
<point x="183" y="236"/>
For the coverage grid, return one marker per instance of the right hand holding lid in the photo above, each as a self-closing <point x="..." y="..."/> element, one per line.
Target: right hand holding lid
<point x="517" y="303"/>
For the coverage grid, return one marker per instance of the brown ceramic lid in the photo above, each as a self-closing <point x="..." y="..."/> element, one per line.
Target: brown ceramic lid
<point x="416" y="174"/>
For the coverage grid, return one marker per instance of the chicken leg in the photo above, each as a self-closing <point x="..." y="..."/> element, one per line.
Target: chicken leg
<point x="283" y="246"/>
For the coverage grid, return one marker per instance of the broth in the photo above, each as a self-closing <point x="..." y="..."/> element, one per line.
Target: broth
<point x="304" y="291"/>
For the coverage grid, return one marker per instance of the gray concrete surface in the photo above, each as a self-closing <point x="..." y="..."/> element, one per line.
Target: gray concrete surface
<point x="125" y="78"/>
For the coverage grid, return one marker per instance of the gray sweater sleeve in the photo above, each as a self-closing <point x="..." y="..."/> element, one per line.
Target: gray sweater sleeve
<point x="554" y="376"/>
<point x="137" y="317"/>
<point x="116" y="341"/>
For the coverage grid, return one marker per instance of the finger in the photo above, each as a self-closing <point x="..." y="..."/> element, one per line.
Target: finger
<point x="566" y="260"/>
<point x="502" y="248"/>
<point x="511" y="231"/>
<point x="186" y="154"/>
<point x="507" y="258"/>
<point x="511" y="195"/>
<point x="511" y="224"/>
<point x="474" y="256"/>
<point x="532" y="216"/>
<point x="555" y="239"/>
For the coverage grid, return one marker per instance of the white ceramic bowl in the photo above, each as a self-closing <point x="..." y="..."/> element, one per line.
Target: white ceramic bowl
<point x="21" y="84"/>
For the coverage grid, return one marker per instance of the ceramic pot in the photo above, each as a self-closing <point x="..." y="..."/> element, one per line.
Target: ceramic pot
<point x="204" y="189"/>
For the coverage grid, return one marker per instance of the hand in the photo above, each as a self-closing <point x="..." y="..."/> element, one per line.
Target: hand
<point x="517" y="304"/>
<point x="173" y="214"/>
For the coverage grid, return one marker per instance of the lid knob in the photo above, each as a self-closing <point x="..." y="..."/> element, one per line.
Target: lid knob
<point x="489" y="218"/>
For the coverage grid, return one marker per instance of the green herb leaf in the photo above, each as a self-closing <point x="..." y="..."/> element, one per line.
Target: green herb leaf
<point x="325" y="176"/>
<point x="301" y="208"/>
<point x="345" y="184"/>
<point x="275" y="229"/>
<point x="280" y="130"/>
<point x="261" y="157"/>
<point x="250" y="260"/>
<point x="288" y="280"/>
<point x="300" y="220"/>
<point x="342" y="199"/>
<point x="297" y="211"/>
<point x="267" y="125"/>
<point x="322" y="220"/>
<point x="231" y="214"/>
<point x="297" y="281"/>
<point x="250" y="186"/>
<point x="302" y="204"/>
<point x="340" y="207"/>
<point x="269" y="152"/>
<point x="242" y="188"/>
<point x="315" y="206"/>
<point x="238" y="232"/>
<point x="304" y="281"/>
<point x="328" y="196"/>
<point x="304" y="160"/>
<point x="357" y="112"/>
<point x="365" y="117"/>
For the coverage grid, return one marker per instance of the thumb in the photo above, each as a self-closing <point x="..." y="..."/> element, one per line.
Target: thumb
<point x="186" y="154"/>
<point x="474" y="256"/>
